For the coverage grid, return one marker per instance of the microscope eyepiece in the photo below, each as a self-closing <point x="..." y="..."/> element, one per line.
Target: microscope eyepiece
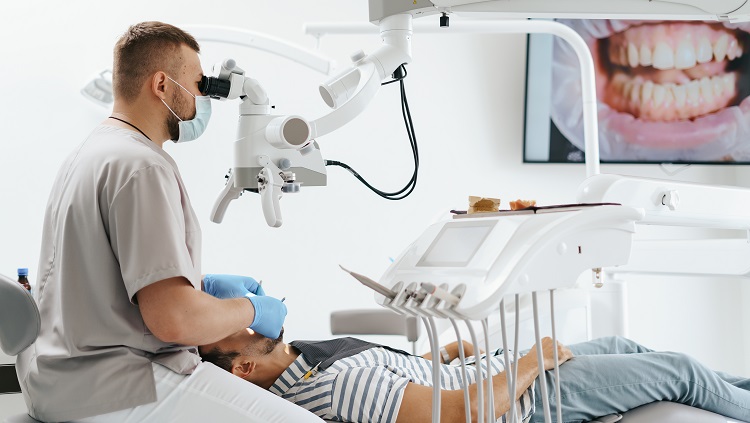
<point x="214" y="87"/>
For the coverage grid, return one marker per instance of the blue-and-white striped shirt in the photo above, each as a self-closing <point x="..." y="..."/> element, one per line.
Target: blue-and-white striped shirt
<point x="369" y="386"/>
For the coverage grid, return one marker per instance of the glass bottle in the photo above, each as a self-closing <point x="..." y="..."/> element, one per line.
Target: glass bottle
<point x="22" y="278"/>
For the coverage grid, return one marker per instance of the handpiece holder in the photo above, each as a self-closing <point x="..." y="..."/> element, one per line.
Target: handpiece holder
<point x="278" y="154"/>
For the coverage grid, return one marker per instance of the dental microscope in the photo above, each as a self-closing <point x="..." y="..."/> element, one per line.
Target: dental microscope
<point x="277" y="154"/>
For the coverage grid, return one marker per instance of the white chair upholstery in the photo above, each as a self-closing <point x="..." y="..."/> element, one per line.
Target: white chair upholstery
<point x="19" y="317"/>
<point x="21" y="418"/>
<point x="665" y="412"/>
<point x="670" y="412"/>
<point x="19" y="325"/>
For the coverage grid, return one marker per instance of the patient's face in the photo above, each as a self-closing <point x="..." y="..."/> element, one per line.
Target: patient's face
<point x="247" y="342"/>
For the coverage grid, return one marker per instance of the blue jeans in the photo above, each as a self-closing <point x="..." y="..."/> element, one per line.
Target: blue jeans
<point x="613" y="375"/>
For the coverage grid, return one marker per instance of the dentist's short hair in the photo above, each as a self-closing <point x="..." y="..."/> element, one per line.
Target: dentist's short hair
<point x="146" y="48"/>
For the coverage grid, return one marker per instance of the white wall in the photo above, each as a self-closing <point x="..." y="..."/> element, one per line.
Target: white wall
<point x="466" y="95"/>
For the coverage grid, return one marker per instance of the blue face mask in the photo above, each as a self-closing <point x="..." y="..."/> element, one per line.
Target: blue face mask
<point x="193" y="128"/>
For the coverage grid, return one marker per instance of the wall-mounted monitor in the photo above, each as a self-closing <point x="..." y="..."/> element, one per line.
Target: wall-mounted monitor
<point x="667" y="92"/>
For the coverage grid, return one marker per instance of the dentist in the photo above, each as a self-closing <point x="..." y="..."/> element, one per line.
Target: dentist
<point x="120" y="291"/>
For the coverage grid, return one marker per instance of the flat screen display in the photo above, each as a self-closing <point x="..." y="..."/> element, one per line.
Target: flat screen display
<point x="667" y="92"/>
<point x="456" y="244"/>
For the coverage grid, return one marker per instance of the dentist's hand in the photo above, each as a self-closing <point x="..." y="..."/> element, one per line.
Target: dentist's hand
<point x="269" y="315"/>
<point x="230" y="286"/>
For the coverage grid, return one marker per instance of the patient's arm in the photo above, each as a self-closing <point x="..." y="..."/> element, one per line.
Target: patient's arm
<point x="417" y="402"/>
<point x="452" y="350"/>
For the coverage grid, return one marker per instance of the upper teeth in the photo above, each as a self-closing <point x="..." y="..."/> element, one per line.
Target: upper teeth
<point x="685" y="56"/>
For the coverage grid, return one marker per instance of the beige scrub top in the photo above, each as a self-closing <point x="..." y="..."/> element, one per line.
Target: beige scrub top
<point x="118" y="219"/>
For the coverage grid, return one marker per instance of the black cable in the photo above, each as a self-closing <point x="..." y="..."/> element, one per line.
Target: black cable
<point x="404" y="192"/>
<point x="398" y="75"/>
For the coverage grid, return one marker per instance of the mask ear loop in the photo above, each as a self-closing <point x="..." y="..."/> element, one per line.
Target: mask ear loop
<point x="186" y="90"/>
<point x="180" y="85"/>
<point x="170" y="109"/>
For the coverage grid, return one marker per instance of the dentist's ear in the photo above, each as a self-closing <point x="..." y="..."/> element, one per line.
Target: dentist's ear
<point x="159" y="85"/>
<point x="243" y="368"/>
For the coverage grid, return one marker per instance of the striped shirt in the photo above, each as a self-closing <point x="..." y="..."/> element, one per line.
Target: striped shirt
<point x="369" y="386"/>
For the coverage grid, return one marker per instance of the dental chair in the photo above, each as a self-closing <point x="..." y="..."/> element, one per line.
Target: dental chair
<point x="19" y="326"/>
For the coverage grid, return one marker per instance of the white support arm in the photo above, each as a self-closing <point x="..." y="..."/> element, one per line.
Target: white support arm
<point x="260" y="41"/>
<point x="588" y="84"/>
<point x="724" y="10"/>
<point x="351" y="91"/>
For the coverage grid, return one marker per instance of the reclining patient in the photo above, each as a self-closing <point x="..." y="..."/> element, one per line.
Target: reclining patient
<point x="351" y="380"/>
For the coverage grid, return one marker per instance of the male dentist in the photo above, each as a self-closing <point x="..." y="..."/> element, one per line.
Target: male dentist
<point x="120" y="291"/>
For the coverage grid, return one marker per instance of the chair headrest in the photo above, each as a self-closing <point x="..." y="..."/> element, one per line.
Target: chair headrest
<point x="19" y="317"/>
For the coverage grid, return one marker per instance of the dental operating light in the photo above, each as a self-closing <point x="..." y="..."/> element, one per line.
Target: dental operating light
<point x="99" y="89"/>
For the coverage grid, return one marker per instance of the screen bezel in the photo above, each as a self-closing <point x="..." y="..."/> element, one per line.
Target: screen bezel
<point x="424" y="262"/>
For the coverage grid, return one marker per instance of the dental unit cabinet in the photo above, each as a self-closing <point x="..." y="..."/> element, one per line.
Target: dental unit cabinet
<point x="484" y="257"/>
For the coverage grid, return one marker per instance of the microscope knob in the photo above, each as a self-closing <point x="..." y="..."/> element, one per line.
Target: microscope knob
<point x="285" y="164"/>
<point x="671" y="199"/>
<point x="291" y="188"/>
<point x="308" y="148"/>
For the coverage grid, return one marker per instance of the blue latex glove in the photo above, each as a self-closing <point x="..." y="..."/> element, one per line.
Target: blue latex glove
<point x="230" y="286"/>
<point x="269" y="315"/>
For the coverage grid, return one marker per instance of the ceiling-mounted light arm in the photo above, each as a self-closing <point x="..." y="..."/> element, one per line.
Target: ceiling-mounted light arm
<point x="264" y="42"/>
<point x="99" y="89"/>
<point x="351" y="91"/>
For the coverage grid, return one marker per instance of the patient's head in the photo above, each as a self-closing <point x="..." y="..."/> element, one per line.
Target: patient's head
<point x="251" y="356"/>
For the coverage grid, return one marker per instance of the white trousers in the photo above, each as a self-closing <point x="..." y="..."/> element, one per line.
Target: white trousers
<point x="210" y="394"/>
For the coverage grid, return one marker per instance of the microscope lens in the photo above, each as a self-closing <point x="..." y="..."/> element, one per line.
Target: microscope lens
<point x="214" y="87"/>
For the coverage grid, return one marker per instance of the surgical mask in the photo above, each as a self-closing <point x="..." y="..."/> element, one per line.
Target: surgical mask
<point x="192" y="129"/>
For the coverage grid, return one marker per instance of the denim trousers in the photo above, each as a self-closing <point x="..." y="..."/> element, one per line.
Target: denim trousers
<point x="614" y="374"/>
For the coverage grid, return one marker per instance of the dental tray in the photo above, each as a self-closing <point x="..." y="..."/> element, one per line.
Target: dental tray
<point x="462" y="214"/>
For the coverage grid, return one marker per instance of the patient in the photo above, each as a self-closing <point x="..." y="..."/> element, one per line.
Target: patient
<point x="354" y="381"/>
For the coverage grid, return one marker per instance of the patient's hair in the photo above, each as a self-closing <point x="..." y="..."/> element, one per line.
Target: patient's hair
<point x="256" y="349"/>
<point x="144" y="49"/>
<point x="220" y="358"/>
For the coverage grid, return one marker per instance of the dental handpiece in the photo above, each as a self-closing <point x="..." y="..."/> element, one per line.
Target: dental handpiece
<point x="440" y="293"/>
<point x="380" y="289"/>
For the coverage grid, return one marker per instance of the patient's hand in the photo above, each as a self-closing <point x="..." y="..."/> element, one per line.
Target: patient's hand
<point x="563" y="353"/>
